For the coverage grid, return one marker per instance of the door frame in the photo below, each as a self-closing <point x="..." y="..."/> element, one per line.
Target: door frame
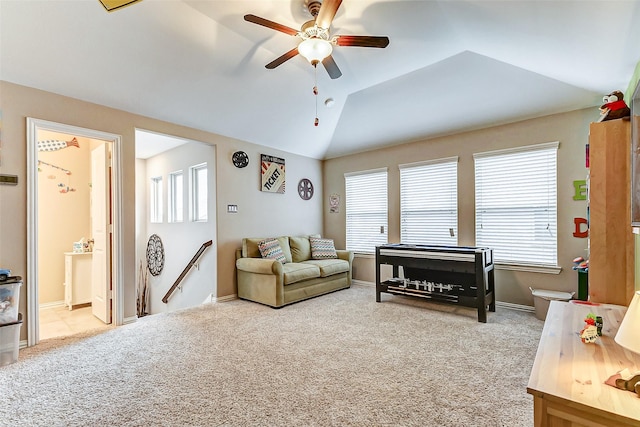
<point x="117" y="296"/>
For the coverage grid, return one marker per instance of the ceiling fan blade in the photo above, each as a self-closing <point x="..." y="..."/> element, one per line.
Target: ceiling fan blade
<point x="327" y="12"/>
<point x="331" y="67"/>
<point x="111" y="5"/>
<point x="282" y="59"/>
<point x="270" y="24"/>
<point x="362" y="41"/>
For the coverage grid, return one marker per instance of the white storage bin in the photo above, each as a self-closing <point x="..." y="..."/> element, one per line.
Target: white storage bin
<point x="10" y="342"/>
<point x="542" y="297"/>
<point x="9" y="301"/>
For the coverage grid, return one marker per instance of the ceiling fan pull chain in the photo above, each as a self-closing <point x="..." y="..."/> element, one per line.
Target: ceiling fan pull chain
<point x="315" y="92"/>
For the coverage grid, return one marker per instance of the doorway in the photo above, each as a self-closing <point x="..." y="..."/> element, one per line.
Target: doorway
<point x="175" y="205"/>
<point x="85" y="262"/>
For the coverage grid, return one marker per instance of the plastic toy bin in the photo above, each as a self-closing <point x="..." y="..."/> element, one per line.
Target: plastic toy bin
<point x="10" y="342"/>
<point x="541" y="299"/>
<point x="9" y="301"/>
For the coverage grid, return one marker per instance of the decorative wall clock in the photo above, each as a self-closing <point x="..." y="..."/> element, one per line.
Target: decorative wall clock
<point x="305" y="189"/>
<point x="240" y="159"/>
<point x="155" y="255"/>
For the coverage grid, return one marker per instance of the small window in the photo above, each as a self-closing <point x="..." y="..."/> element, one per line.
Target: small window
<point x="366" y="210"/>
<point x="199" y="193"/>
<point x="176" y="199"/>
<point x="429" y="202"/>
<point x="156" y="200"/>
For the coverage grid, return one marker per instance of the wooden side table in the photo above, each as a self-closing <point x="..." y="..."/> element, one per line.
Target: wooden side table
<point x="567" y="378"/>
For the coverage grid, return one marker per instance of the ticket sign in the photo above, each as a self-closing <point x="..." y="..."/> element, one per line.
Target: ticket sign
<point x="272" y="169"/>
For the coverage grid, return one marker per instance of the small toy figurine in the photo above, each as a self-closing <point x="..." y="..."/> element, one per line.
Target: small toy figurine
<point x="614" y="107"/>
<point x="589" y="334"/>
<point x="590" y="331"/>
<point x="580" y="264"/>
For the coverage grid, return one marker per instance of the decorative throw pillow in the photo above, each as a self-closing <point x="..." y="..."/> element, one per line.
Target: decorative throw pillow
<point x="322" y="248"/>
<point x="270" y="248"/>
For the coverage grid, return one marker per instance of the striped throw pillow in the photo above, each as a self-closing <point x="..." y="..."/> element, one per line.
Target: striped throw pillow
<point x="322" y="248"/>
<point x="270" y="248"/>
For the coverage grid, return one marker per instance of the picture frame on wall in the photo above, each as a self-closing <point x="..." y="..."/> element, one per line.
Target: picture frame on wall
<point x="635" y="157"/>
<point x="272" y="172"/>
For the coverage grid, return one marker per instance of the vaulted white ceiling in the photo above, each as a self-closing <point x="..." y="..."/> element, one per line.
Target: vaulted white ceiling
<point x="451" y="65"/>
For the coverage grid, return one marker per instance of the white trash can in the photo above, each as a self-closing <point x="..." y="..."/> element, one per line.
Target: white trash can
<point x="542" y="297"/>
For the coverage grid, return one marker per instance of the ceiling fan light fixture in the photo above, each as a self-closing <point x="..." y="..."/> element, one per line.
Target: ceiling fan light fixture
<point x="315" y="49"/>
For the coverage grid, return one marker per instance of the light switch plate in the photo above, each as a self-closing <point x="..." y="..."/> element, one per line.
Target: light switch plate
<point x="9" y="179"/>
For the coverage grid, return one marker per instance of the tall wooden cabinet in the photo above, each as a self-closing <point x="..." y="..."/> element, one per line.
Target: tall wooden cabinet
<point x="611" y="241"/>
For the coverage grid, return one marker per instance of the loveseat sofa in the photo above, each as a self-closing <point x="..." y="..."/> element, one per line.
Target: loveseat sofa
<point x="287" y="269"/>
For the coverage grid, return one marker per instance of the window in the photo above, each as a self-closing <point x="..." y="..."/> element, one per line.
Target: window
<point x="516" y="204"/>
<point x="429" y="202"/>
<point x="199" y="191"/>
<point x="155" y="202"/>
<point x="366" y="210"/>
<point x="176" y="199"/>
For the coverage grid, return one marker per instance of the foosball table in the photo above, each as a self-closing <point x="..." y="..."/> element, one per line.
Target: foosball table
<point x="460" y="275"/>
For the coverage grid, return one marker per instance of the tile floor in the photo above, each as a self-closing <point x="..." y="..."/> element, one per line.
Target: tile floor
<point x="59" y="321"/>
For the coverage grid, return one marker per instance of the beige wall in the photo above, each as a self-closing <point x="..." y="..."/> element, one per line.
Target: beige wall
<point x="260" y="214"/>
<point x="570" y="129"/>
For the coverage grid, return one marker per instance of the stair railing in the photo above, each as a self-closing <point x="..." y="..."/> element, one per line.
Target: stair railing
<point x="191" y="263"/>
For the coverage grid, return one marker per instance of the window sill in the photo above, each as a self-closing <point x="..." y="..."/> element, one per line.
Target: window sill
<point x="529" y="268"/>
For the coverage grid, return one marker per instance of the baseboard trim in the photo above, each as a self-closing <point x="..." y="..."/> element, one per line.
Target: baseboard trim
<point x="128" y="320"/>
<point x="54" y="304"/>
<point x="225" y="298"/>
<point x="518" y="307"/>
<point x="500" y="304"/>
<point x="363" y="283"/>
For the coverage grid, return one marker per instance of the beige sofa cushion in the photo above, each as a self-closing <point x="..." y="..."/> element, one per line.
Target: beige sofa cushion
<point x="329" y="267"/>
<point x="301" y="247"/>
<point x="296" y="272"/>
<point x="250" y="247"/>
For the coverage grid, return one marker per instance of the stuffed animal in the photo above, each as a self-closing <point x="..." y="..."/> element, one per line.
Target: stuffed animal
<point x="614" y="107"/>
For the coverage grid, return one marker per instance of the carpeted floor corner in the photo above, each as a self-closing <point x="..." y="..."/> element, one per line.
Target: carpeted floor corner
<point x="337" y="360"/>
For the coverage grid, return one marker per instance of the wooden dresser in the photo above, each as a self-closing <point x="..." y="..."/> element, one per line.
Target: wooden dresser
<point x="567" y="378"/>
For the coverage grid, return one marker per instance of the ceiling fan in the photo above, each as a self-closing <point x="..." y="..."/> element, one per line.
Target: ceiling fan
<point x="317" y="43"/>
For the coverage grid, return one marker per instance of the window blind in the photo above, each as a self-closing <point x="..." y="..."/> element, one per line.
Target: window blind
<point x="516" y="204"/>
<point x="429" y="202"/>
<point x="366" y="210"/>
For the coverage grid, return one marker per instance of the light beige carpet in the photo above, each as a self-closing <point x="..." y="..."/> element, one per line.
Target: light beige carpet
<point x="337" y="360"/>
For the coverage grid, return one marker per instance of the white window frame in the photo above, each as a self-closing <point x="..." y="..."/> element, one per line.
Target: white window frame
<point x="366" y="210"/>
<point x="516" y="206"/>
<point x="155" y="200"/>
<point x="199" y="200"/>
<point x="176" y="197"/>
<point x="429" y="202"/>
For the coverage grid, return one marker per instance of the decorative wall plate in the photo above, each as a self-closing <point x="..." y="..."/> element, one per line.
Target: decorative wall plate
<point x="155" y="255"/>
<point x="240" y="159"/>
<point x="305" y="189"/>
